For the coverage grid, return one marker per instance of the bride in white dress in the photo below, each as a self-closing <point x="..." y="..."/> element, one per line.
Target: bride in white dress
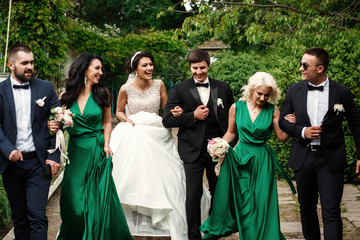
<point x="147" y="170"/>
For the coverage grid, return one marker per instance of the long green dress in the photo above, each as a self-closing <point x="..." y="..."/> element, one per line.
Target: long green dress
<point x="89" y="205"/>
<point x="246" y="198"/>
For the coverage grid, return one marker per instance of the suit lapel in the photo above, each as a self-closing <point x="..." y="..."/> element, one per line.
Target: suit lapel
<point x="194" y="91"/>
<point x="304" y="92"/>
<point x="332" y="97"/>
<point x="214" y="93"/>
<point x="10" y="97"/>
<point x="33" y="98"/>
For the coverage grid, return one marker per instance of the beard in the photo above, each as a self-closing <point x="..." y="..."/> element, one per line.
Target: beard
<point x="22" y="76"/>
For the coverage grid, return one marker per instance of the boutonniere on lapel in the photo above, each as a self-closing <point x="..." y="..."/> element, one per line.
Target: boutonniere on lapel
<point x="338" y="108"/>
<point x="41" y="101"/>
<point x="220" y="102"/>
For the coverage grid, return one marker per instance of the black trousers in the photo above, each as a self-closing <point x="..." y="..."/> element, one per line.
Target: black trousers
<point x="313" y="179"/>
<point x="194" y="189"/>
<point x="27" y="188"/>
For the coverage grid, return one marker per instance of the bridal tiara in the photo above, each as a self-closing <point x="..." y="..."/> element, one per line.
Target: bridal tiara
<point x="132" y="59"/>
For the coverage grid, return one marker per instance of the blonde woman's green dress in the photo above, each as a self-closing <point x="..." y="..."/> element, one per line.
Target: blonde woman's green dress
<point x="246" y="199"/>
<point x="89" y="205"/>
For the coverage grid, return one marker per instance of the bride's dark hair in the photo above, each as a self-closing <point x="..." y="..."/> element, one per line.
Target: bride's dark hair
<point x="133" y="62"/>
<point x="75" y="82"/>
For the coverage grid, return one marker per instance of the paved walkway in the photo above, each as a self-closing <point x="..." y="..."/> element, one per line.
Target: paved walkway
<point x="290" y="218"/>
<point x="289" y="214"/>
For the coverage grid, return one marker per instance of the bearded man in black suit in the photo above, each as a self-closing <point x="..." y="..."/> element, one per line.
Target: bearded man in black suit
<point x="317" y="152"/>
<point x="205" y="102"/>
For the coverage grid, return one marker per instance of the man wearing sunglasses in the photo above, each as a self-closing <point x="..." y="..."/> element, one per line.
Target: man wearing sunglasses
<point x="317" y="152"/>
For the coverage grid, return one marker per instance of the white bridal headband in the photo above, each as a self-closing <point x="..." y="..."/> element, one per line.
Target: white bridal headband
<point x="132" y="59"/>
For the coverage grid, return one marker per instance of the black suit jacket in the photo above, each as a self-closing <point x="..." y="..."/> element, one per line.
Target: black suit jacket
<point x="191" y="132"/>
<point x="39" y="117"/>
<point x="332" y="137"/>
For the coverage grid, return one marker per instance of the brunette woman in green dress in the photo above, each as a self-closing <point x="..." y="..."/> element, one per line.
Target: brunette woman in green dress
<point x="246" y="198"/>
<point x="89" y="205"/>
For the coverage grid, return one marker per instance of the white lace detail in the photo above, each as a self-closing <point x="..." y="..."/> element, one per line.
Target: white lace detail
<point x="148" y="101"/>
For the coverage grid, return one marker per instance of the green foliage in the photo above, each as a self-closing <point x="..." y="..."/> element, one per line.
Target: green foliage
<point x="5" y="211"/>
<point x="116" y="52"/>
<point x="39" y="24"/>
<point x="266" y="23"/>
<point x="236" y="69"/>
<point x="133" y="16"/>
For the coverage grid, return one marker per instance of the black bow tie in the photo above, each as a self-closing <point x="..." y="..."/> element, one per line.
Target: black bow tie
<point x="313" y="88"/>
<point x="202" y="84"/>
<point x="21" y="86"/>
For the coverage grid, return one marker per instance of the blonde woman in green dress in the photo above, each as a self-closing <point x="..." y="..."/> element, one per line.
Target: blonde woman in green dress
<point x="89" y="205"/>
<point x="246" y="198"/>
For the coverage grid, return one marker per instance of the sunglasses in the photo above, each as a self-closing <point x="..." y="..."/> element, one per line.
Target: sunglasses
<point x="306" y="66"/>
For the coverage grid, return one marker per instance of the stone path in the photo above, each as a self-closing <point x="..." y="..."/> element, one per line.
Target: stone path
<point x="290" y="218"/>
<point x="289" y="214"/>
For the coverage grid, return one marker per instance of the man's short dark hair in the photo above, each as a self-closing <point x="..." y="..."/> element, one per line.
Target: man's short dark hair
<point x="199" y="55"/>
<point x="18" y="48"/>
<point x="321" y="54"/>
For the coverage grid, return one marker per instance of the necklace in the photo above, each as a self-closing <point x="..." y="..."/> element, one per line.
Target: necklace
<point x="255" y="110"/>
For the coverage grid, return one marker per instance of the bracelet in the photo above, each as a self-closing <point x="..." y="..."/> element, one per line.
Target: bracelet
<point x="107" y="146"/>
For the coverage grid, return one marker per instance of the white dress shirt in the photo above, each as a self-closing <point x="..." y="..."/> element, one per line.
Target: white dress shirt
<point x="22" y="100"/>
<point x="317" y="107"/>
<point x="203" y="91"/>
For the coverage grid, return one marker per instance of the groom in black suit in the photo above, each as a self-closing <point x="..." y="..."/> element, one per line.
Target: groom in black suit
<point x="25" y="164"/>
<point x="317" y="152"/>
<point x="206" y="104"/>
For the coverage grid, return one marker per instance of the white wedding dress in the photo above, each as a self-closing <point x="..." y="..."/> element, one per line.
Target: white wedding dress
<point x="147" y="170"/>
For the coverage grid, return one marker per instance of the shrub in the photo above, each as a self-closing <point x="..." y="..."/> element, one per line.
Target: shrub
<point x="5" y="212"/>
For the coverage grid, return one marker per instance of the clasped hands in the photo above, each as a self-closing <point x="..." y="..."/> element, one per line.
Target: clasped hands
<point x="177" y="111"/>
<point x="200" y="113"/>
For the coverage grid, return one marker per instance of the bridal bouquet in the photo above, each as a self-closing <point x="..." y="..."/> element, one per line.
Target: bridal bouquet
<point x="217" y="148"/>
<point x="62" y="116"/>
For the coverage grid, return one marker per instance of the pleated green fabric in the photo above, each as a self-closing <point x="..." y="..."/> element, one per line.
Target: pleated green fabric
<point x="89" y="205"/>
<point x="246" y="199"/>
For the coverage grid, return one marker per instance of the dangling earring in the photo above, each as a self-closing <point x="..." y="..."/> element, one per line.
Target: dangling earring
<point x="136" y="74"/>
<point x="85" y="78"/>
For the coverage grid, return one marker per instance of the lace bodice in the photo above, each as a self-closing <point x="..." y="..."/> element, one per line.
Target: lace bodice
<point x="148" y="101"/>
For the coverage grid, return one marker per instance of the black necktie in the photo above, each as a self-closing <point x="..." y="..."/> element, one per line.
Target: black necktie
<point x="313" y="88"/>
<point x="201" y="84"/>
<point x="21" y="86"/>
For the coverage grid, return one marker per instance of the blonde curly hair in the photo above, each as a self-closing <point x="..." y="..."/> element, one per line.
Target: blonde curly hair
<point x="261" y="79"/>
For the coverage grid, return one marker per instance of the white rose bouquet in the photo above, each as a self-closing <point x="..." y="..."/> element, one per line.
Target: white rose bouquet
<point x="62" y="116"/>
<point x="217" y="148"/>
